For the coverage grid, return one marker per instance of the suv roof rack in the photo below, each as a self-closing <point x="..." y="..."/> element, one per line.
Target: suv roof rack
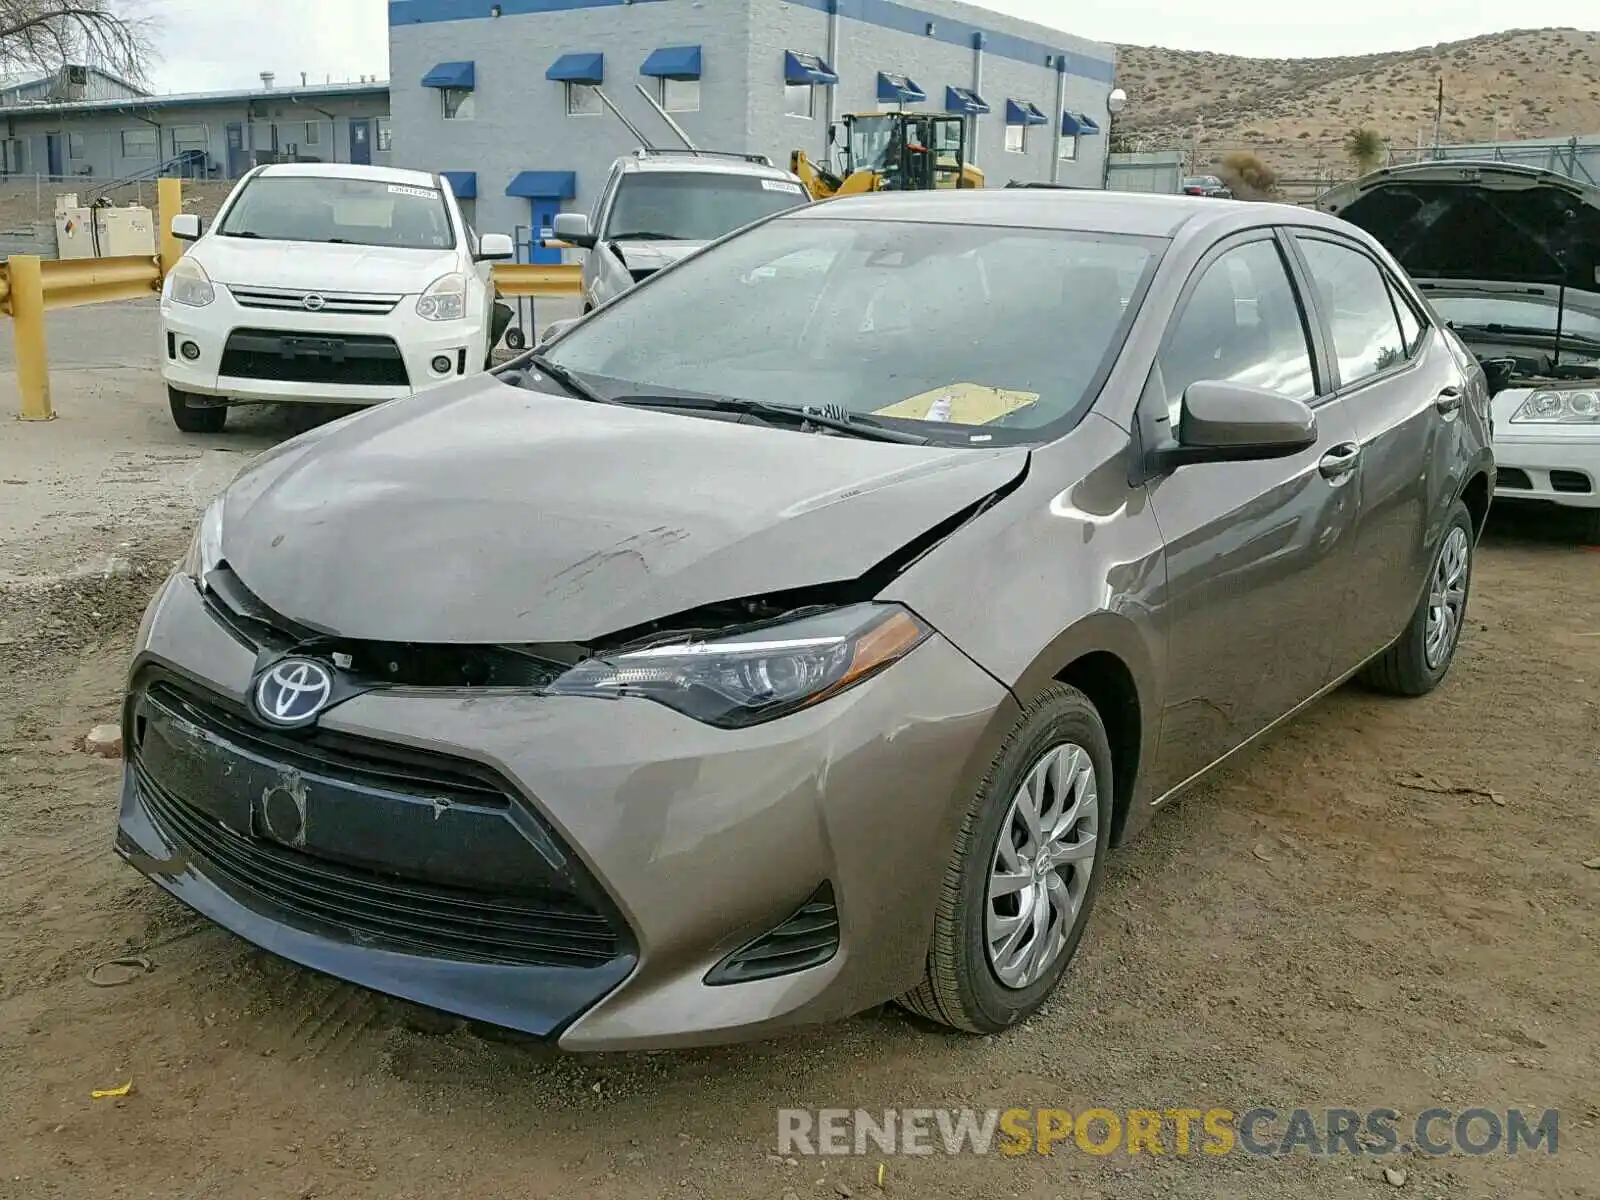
<point x="648" y="151"/>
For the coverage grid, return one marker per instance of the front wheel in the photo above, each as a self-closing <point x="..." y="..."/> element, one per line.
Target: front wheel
<point x="1589" y="527"/>
<point x="1024" y="872"/>
<point x="191" y="417"/>
<point x="1420" y="658"/>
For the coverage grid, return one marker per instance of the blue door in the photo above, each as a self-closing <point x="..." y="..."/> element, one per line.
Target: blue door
<point x="238" y="157"/>
<point x="52" y="148"/>
<point x="545" y="209"/>
<point x="361" y="141"/>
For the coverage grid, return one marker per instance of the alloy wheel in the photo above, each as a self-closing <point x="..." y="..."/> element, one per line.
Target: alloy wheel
<point x="1447" y="598"/>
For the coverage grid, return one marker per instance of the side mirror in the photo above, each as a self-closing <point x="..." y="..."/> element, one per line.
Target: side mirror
<point x="186" y="227"/>
<point x="1228" y="422"/>
<point x="573" y="228"/>
<point x="495" y="247"/>
<point x="556" y="328"/>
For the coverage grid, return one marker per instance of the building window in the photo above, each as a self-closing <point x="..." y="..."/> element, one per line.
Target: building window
<point x="385" y="136"/>
<point x="139" y="143"/>
<point x="1016" y="139"/>
<point x="313" y="134"/>
<point x="77" y="146"/>
<point x="800" y="100"/>
<point x="189" y="137"/>
<point x="1069" y="148"/>
<point x="458" y="104"/>
<point x="16" y="156"/>
<point x="680" y="95"/>
<point x="583" y="100"/>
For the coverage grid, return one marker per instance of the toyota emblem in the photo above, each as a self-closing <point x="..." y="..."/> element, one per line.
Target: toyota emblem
<point x="293" y="692"/>
<point x="314" y="303"/>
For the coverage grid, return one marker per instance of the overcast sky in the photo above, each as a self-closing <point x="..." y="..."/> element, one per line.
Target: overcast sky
<point x="212" y="44"/>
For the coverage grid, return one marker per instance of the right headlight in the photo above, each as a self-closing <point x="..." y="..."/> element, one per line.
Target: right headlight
<point x="189" y="284"/>
<point x="758" y="674"/>
<point x="1576" y="407"/>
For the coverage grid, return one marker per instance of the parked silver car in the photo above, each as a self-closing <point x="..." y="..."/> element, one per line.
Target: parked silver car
<point x="659" y="205"/>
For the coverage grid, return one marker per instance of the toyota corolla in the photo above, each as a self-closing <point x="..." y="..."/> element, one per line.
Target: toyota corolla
<point x="803" y="629"/>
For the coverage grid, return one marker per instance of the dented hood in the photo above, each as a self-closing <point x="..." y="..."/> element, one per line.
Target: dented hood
<point x="483" y="512"/>
<point x="1465" y="220"/>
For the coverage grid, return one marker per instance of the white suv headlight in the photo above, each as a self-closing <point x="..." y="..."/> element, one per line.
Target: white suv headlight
<point x="189" y="284"/>
<point x="1576" y="407"/>
<point x="445" y="299"/>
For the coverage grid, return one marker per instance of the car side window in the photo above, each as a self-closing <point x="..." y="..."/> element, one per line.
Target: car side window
<point x="1241" y="324"/>
<point x="1352" y="291"/>
<point x="1411" y="328"/>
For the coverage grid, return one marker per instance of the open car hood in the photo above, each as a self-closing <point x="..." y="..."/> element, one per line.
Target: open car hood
<point x="1462" y="220"/>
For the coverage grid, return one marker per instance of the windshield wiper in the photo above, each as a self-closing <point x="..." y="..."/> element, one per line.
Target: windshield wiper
<point x="647" y="236"/>
<point x="838" y="420"/>
<point x="1524" y="330"/>
<point x="240" y="233"/>
<point x="567" y="379"/>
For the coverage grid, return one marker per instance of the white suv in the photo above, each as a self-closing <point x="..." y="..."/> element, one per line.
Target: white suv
<point x="327" y="283"/>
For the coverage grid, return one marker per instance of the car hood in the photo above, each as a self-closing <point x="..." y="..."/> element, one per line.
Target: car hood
<point x="482" y="512"/>
<point x="654" y="256"/>
<point x="246" y="262"/>
<point x="1466" y="220"/>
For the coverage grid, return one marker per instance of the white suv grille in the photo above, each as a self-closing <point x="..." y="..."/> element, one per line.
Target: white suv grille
<point x="294" y="300"/>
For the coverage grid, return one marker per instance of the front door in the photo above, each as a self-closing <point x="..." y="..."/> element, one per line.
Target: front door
<point x="545" y="209"/>
<point x="1258" y="553"/>
<point x="238" y="155"/>
<point x="361" y="141"/>
<point x="53" y="153"/>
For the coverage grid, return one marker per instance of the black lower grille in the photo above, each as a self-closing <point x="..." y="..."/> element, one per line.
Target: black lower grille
<point x="373" y="910"/>
<point x="347" y="358"/>
<point x="1571" y="483"/>
<point x="1514" y="478"/>
<point x="807" y="939"/>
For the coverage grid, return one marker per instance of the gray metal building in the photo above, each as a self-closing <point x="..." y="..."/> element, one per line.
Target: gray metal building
<point x="220" y="135"/>
<point x="501" y="93"/>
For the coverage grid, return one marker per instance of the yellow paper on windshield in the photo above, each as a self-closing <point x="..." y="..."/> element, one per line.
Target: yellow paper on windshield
<point x="961" y="404"/>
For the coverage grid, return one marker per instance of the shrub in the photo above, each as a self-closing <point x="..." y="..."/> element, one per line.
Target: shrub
<point x="1248" y="177"/>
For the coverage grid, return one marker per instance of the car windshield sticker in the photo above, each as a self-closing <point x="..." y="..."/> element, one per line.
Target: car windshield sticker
<point x="961" y="404"/>
<point x="778" y="185"/>
<point x="396" y="189"/>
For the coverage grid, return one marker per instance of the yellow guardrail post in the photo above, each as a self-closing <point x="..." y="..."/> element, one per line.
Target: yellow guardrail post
<point x="27" y="326"/>
<point x="169" y="204"/>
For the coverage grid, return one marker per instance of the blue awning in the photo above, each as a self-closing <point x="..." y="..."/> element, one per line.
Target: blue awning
<point x="807" y="68"/>
<point x="964" y="101"/>
<point x="1088" y="124"/>
<point x="463" y="183"/>
<point x="463" y="75"/>
<point x="1072" y="124"/>
<point x="544" y="185"/>
<point x="899" y="89"/>
<point x="673" y="62"/>
<point x="1024" y="112"/>
<point x="578" y="68"/>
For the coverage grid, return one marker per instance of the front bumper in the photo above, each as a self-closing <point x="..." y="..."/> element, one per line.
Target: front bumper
<point x="689" y="841"/>
<point x="236" y="360"/>
<point x="1559" y="468"/>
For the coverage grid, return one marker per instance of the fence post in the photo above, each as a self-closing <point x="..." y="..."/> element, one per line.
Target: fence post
<point x="169" y="204"/>
<point x="27" y="325"/>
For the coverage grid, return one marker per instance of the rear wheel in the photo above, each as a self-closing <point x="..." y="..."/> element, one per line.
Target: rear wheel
<point x="193" y="417"/>
<point x="1024" y="872"/>
<point x="1589" y="527"/>
<point x="1421" y="657"/>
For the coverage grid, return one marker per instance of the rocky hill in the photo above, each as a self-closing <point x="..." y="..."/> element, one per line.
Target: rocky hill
<point x="1294" y="113"/>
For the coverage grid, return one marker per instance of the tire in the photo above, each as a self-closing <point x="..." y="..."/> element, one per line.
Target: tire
<point x="963" y="988"/>
<point x="194" y="418"/>
<point x="1589" y="527"/>
<point x="1406" y="668"/>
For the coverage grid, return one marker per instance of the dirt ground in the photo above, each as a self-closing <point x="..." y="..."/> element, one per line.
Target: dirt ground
<point x="1386" y="907"/>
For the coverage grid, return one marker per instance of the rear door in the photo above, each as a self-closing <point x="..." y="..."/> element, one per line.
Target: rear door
<point x="1258" y="553"/>
<point x="1403" y="389"/>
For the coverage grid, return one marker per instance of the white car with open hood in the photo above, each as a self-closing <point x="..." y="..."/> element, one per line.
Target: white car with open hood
<point x="329" y="283"/>
<point x="1509" y="256"/>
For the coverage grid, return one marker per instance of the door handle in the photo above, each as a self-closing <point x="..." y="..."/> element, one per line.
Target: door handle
<point x="1337" y="463"/>
<point x="1448" y="401"/>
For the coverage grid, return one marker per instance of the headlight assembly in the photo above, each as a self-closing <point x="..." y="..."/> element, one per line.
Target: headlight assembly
<point x="205" y="550"/>
<point x="445" y="299"/>
<point x="1579" y="406"/>
<point x="189" y="284"/>
<point x="757" y="675"/>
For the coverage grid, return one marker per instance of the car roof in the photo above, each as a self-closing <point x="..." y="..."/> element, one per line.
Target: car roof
<point x="709" y="164"/>
<point x="1139" y="214"/>
<point x="353" y="171"/>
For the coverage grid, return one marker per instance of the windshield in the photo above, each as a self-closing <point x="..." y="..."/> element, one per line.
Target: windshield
<point x="362" y="212"/>
<point x="695" y="206"/>
<point x="1515" y="313"/>
<point x="977" y="333"/>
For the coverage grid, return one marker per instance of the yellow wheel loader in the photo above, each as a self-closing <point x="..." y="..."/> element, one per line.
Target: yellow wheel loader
<point x="891" y="152"/>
